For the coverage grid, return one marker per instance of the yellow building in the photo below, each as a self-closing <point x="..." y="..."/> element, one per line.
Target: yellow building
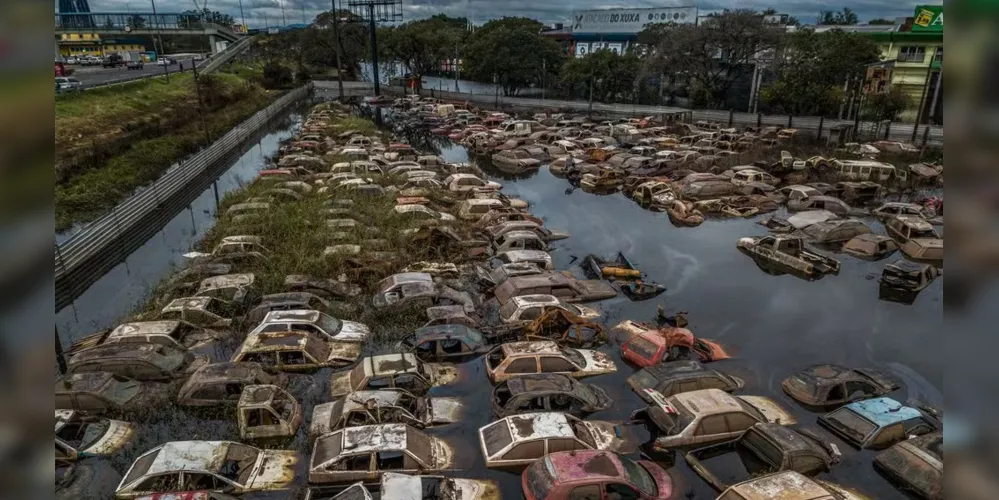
<point x="91" y="44"/>
<point x="914" y="56"/>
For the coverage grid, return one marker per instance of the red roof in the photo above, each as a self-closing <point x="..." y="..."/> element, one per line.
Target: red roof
<point x="573" y="466"/>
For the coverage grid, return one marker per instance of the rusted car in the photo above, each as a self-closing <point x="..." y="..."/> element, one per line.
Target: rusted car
<point x="565" y="328"/>
<point x="99" y="392"/>
<point x="206" y="312"/>
<point x="463" y="183"/>
<point x="657" y="194"/>
<point x="489" y="278"/>
<point x="521" y="358"/>
<point x="418" y="289"/>
<point x="915" y="237"/>
<point x="450" y="342"/>
<point x="267" y="412"/>
<point x="880" y="422"/>
<point x="283" y="302"/>
<point x="518" y="240"/>
<point x="870" y="246"/>
<point x="706" y="416"/>
<point x="230" y="288"/>
<point x="907" y="276"/>
<point x="137" y="361"/>
<point x="296" y="351"/>
<point x="708" y="189"/>
<point x="763" y="449"/>
<point x="648" y="346"/>
<point x="836" y="231"/>
<point x="834" y="205"/>
<point x="674" y="377"/>
<point x="564" y="287"/>
<point x="188" y="466"/>
<point x="516" y="161"/>
<point x="544" y="233"/>
<point x="828" y="386"/>
<point x="316" y="322"/>
<point x="539" y="257"/>
<point x="570" y="475"/>
<point x="500" y="215"/>
<point x="402" y="371"/>
<point x="403" y="486"/>
<point x="223" y="383"/>
<point x="364" y="453"/>
<point x="915" y="465"/>
<point x="548" y="392"/>
<point x="179" y="335"/>
<point x="523" y="309"/>
<point x="788" y="485"/>
<point x="516" y="441"/>
<point x="79" y="435"/>
<point x="785" y="254"/>
<point x="385" y="406"/>
<point x="894" y="208"/>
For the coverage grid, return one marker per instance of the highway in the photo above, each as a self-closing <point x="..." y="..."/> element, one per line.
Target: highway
<point x="91" y="76"/>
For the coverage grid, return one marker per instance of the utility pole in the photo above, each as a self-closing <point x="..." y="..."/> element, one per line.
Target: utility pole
<point x="201" y="112"/>
<point x="336" y="41"/>
<point x="374" y="48"/>
<point x="284" y="21"/>
<point x="242" y="17"/>
<point x="156" y="19"/>
<point x="302" y="5"/>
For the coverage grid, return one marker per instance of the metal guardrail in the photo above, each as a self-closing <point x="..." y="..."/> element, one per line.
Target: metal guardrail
<point x="820" y="126"/>
<point x="229" y="53"/>
<point x="96" y="236"/>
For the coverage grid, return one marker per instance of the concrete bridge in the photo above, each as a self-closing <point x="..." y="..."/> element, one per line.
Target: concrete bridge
<point x="144" y="24"/>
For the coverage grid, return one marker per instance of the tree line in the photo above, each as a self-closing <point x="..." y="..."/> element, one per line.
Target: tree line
<point x="712" y="64"/>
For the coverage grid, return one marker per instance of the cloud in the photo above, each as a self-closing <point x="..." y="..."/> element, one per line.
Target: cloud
<point x="259" y="13"/>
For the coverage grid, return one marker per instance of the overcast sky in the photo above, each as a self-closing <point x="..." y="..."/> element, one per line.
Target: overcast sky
<point x="259" y="12"/>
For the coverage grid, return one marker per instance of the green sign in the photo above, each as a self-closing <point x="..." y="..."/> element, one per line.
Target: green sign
<point x="928" y="18"/>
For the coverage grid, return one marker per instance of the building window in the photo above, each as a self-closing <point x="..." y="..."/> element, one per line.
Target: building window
<point x="912" y="54"/>
<point x="938" y="55"/>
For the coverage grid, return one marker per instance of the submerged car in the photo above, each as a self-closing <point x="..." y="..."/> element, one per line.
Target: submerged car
<point x="651" y="347"/>
<point x="522" y="358"/>
<point x="835" y="231"/>
<point x="397" y="486"/>
<point x="707" y="416"/>
<point x="524" y="309"/>
<point x="870" y="246"/>
<point x="790" y="485"/>
<point x="221" y="466"/>
<point x="587" y="474"/>
<point x="788" y="254"/>
<point x="78" y="435"/>
<point x="105" y="392"/>
<point x="564" y="287"/>
<point x="364" y="453"/>
<point x="296" y="351"/>
<point x="878" y="423"/>
<point x="267" y="412"/>
<point x="137" y="361"/>
<point x="223" y="383"/>
<point x="179" y="335"/>
<point x="829" y="386"/>
<point x="418" y="289"/>
<point x="675" y="377"/>
<point x="305" y="320"/>
<point x="402" y="371"/>
<point x="908" y="276"/>
<point x="763" y="449"/>
<point x="915" y="237"/>
<point x="449" y="342"/>
<point x="916" y="465"/>
<point x="539" y="257"/>
<point x="548" y="392"/>
<point x="386" y="406"/>
<point x="518" y="440"/>
<point x="206" y="312"/>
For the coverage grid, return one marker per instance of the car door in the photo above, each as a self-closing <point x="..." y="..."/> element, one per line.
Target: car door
<point x="357" y="467"/>
<point x="521" y="365"/>
<point x="411" y="382"/>
<point x="557" y="364"/>
<point x="159" y="483"/>
<point x="710" y="429"/>
<point x="620" y="491"/>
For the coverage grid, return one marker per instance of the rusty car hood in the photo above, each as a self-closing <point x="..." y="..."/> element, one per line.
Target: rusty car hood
<point x="443" y="410"/>
<point x="275" y="470"/>
<point x="441" y="374"/>
<point x="352" y="331"/>
<point x="596" y="362"/>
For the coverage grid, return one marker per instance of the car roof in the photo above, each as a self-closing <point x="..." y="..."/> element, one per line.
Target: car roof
<point x="540" y="383"/>
<point x="359" y="399"/>
<point x="907" y="266"/>
<point x="677" y="369"/>
<point x="883" y="411"/>
<point x="189" y="455"/>
<point x="145" y="328"/>
<point x="788" y="485"/>
<point x="828" y="374"/>
<point x="388" y="364"/>
<point x="227" y="371"/>
<point x="483" y="201"/>
<point x="134" y="350"/>
<point x="443" y="331"/>
<point x="374" y="438"/>
<point x="526" y="348"/>
<point x="707" y="401"/>
<point x="293" y="315"/>
<point x="83" y="382"/>
<point x="536" y="280"/>
<point x="188" y="303"/>
<point x="583" y="465"/>
<point x="525" y="255"/>
<point x="915" y="222"/>
<point x="539" y="426"/>
<point x="535" y="299"/>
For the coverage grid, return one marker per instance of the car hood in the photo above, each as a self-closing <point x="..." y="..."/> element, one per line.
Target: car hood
<point x="118" y="434"/>
<point x="770" y="410"/>
<point x="442" y="374"/>
<point x="475" y="489"/>
<point x="444" y="410"/>
<point x="597" y="362"/>
<point x="352" y="331"/>
<point x="344" y="353"/>
<point x="275" y="469"/>
<point x="612" y="436"/>
<point x="320" y="423"/>
<point x="340" y="384"/>
<point x="443" y="455"/>
<point x="587" y="312"/>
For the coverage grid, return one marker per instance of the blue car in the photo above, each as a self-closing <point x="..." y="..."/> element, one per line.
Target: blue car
<point x="879" y="423"/>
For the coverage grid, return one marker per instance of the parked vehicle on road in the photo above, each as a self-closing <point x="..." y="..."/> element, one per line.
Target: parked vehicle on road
<point x="67" y="83"/>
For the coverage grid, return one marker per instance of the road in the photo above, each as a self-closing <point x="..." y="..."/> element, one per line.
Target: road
<point x="91" y="76"/>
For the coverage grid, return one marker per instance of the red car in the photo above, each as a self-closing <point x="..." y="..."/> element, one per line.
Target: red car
<point x="594" y="474"/>
<point x="652" y="347"/>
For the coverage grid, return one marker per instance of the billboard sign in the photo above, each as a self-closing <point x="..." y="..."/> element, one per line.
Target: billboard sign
<point x="614" y="47"/>
<point x="582" y="48"/>
<point x="629" y="20"/>
<point x="928" y="18"/>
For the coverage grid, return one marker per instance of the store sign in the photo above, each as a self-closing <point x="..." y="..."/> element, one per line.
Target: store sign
<point x="582" y="48"/>
<point x="614" y="47"/>
<point x="928" y="18"/>
<point x="629" y="20"/>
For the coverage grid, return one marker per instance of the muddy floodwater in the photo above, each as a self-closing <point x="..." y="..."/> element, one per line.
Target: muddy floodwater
<point x="773" y="326"/>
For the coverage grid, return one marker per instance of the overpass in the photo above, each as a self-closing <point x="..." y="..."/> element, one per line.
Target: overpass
<point x="143" y="24"/>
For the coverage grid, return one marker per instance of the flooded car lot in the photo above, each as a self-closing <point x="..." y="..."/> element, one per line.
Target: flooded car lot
<point x="770" y="325"/>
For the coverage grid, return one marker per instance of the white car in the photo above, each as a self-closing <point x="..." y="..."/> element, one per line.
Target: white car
<point x="316" y="322"/>
<point x="222" y="466"/>
<point x="513" y="359"/>
<point x="67" y="83"/>
<point x="418" y="211"/>
<point x="526" y="308"/>
<point x="707" y="416"/>
<point x="78" y="436"/>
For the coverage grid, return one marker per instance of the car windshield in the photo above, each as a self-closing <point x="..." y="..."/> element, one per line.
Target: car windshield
<point x="506" y="312"/>
<point x="645" y="380"/>
<point x="852" y="424"/>
<point x="120" y="389"/>
<point x="357" y="376"/>
<point x="329" y="324"/>
<point x="571" y="308"/>
<point x="643" y="347"/>
<point x="172" y="360"/>
<point x="538" y="479"/>
<point x="420" y="445"/>
<point x="752" y="410"/>
<point x="759" y="446"/>
<point x="574" y="356"/>
<point x="140" y="467"/>
<point x="639" y="477"/>
<point x="583" y="433"/>
<point x="495" y="437"/>
<point x="922" y="233"/>
<point x="238" y="463"/>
